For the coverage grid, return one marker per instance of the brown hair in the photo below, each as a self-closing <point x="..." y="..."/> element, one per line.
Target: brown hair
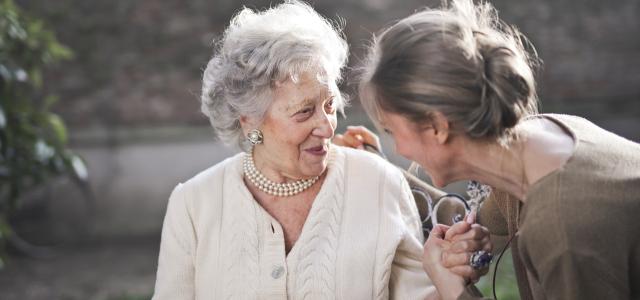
<point x="461" y="61"/>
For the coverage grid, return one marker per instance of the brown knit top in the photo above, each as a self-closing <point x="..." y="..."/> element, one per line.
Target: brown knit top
<point x="578" y="234"/>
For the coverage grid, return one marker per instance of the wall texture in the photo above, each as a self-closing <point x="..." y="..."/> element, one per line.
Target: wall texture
<point x="138" y="63"/>
<point x="130" y="95"/>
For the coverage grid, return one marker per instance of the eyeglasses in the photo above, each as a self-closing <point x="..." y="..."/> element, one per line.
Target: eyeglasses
<point x="447" y="209"/>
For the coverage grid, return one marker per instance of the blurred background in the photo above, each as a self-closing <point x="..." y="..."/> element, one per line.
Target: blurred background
<point x="81" y="217"/>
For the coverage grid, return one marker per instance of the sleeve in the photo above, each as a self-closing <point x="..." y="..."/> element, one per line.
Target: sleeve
<point x="491" y="216"/>
<point x="408" y="279"/>
<point x="175" y="275"/>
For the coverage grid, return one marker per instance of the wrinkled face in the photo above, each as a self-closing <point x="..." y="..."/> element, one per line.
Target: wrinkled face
<point x="420" y="144"/>
<point x="298" y="127"/>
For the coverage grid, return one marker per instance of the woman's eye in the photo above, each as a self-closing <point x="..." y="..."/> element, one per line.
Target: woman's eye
<point x="330" y="105"/>
<point x="387" y="131"/>
<point x="303" y="114"/>
<point x="305" y="110"/>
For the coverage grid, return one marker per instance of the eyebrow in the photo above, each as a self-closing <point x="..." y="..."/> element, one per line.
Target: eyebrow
<point x="308" y="101"/>
<point x="295" y="107"/>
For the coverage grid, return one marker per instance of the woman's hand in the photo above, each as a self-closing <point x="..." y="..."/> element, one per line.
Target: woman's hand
<point x="356" y="136"/>
<point x="449" y="284"/>
<point x="465" y="238"/>
<point x="447" y="254"/>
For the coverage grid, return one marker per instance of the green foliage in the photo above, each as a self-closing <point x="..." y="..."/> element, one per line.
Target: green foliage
<point x="33" y="140"/>
<point x="506" y="284"/>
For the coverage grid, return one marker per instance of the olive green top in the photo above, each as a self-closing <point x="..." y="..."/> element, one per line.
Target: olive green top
<point x="578" y="233"/>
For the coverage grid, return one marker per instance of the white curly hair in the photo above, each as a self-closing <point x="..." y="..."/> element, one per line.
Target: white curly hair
<point x="260" y="49"/>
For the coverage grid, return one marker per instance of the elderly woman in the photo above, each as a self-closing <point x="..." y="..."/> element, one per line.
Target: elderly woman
<point x="294" y="217"/>
<point x="455" y="90"/>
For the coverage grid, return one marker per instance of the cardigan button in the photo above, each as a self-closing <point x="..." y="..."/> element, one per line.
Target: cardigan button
<point x="277" y="272"/>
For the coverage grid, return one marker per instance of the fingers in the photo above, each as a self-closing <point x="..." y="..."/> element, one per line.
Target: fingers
<point x="347" y="140"/>
<point x="471" y="217"/>
<point x="457" y="229"/>
<point x="365" y="134"/>
<point x="483" y="271"/>
<point x="338" y="139"/>
<point x="439" y="231"/>
<point x="355" y="136"/>
<point x="432" y="252"/>
<point x="473" y="232"/>
<point x="450" y="260"/>
<point x="459" y="253"/>
<point x="353" y="140"/>
<point x="471" y="246"/>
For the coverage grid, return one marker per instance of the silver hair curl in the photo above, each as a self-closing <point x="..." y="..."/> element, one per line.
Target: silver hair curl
<point x="260" y="49"/>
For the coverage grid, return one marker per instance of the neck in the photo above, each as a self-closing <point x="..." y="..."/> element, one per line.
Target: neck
<point x="281" y="189"/>
<point x="499" y="166"/>
<point x="267" y="168"/>
<point x="268" y="164"/>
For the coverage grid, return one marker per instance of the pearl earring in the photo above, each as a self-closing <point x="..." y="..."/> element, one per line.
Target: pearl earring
<point x="255" y="137"/>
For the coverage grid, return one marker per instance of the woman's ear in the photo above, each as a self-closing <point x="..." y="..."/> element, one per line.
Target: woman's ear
<point x="245" y="124"/>
<point x="440" y="127"/>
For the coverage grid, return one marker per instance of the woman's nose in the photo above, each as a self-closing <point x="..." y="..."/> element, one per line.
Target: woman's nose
<point x="325" y="126"/>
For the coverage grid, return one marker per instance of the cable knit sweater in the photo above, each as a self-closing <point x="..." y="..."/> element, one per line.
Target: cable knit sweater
<point x="361" y="240"/>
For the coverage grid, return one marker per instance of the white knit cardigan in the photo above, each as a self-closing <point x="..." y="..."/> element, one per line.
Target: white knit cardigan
<point x="361" y="240"/>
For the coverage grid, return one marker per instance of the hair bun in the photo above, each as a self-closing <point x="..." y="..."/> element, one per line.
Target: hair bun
<point x="508" y="89"/>
<point x="459" y="60"/>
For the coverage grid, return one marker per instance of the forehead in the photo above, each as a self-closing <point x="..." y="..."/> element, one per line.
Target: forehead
<point x="307" y="89"/>
<point x="394" y="120"/>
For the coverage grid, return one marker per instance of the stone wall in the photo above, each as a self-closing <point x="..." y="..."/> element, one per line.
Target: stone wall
<point x="138" y="63"/>
<point x="130" y="95"/>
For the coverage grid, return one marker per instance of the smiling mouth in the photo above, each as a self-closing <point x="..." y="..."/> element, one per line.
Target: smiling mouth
<point x="318" y="150"/>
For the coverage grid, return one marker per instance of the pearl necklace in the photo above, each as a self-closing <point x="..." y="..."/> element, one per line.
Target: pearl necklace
<point x="274" y="188"/>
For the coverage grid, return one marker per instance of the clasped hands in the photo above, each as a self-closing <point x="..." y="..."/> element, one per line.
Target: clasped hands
<point x="448" y="249"/>
<point x="447" y="255"/>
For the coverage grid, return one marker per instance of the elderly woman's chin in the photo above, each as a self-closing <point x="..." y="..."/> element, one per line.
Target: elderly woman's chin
<point x="314" y="160"/>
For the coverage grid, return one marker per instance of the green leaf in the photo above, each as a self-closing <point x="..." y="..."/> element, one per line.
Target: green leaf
<point x="33" y="139"/>
<point x="59" y="51"/>
<point x="49" y="101"/>
<point x="57" y="125"/>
